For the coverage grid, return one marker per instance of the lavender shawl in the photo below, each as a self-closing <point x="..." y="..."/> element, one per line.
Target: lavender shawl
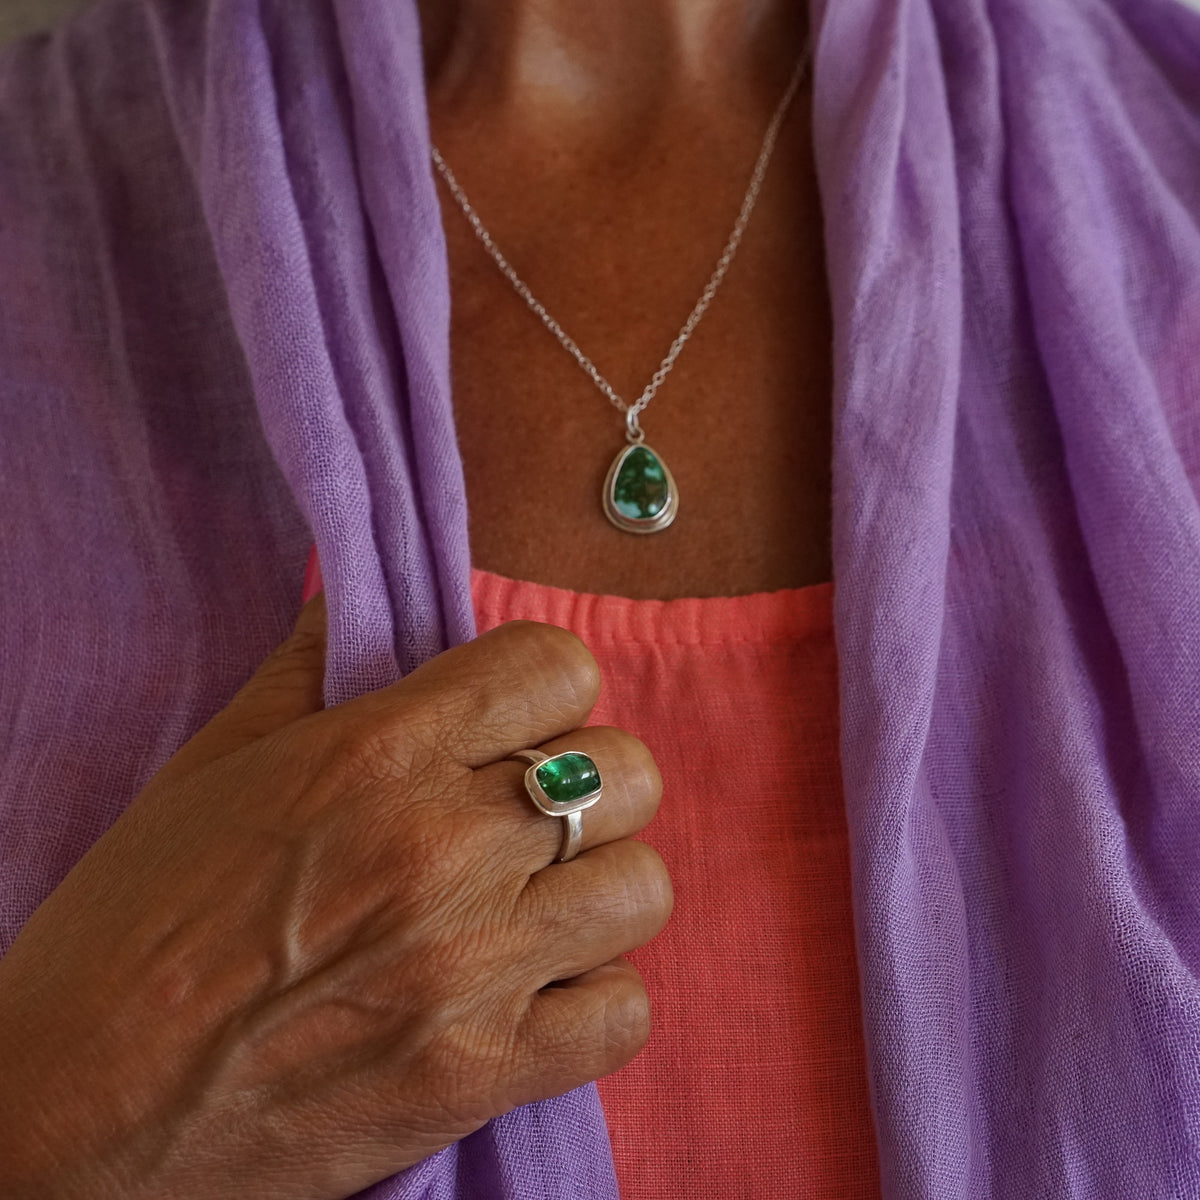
<point x="223" y="329"/>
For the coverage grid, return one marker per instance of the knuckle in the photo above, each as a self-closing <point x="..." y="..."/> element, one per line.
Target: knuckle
<point x="558" y="658"/>
<point x="349" y="768"/>
<point x="613" y="1027"/>
<point x="518" y="673"/>
<point x="627" y="763"/>
<point x="439" y="889"/>
<point x="463" y="1059"/>
<point x="623" y="887"/>
<point x="467" y="1062"/>
<point x="375" y="747"/>
<point x="305" y="639"/>
<point x="350" y="761"/>
<point x="647" y="880"/>
<point x="639" y="770"/>
<point x="592" y="1034"/>
<point x="445" y="857"/>
<point x="626" y="1020"/>
<point x="651" y="776"/>
<point x="453" y="865"/>
<point x="399" y="802"/>
<point x="281" y="673"/>
<point x="487" y="704"/>
<point x="290" y="658"/>
<point x="459" y="976"/>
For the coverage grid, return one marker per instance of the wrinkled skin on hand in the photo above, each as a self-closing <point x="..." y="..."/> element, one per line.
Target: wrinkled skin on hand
<point x="322" y="944"/>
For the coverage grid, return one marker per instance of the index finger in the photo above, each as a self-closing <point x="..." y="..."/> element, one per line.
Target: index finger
<point x="515" y="686"/>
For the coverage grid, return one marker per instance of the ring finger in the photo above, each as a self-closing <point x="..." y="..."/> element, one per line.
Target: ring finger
<point x="632" y="790"/>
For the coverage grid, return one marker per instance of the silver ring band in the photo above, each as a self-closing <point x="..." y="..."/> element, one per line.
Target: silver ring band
<point x="564" y="789"/>
<point x="572" y="836"/>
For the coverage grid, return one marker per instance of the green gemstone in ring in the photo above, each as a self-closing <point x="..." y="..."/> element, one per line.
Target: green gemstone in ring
<point x="567" y="778"/>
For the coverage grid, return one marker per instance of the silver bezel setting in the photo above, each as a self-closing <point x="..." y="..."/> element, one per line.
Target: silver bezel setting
<point x="555" y="808"/>
<point x="652" y="524"/>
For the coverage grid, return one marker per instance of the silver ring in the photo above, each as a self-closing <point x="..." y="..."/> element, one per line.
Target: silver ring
<point x="563" y="785"/>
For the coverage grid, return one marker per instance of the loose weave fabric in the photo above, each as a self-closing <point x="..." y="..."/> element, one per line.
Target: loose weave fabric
<point x="754" y="1080"/>
<point x="224" y="331"/>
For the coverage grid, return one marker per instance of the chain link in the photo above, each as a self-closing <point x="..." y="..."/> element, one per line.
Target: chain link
<point x="568" y="343"/>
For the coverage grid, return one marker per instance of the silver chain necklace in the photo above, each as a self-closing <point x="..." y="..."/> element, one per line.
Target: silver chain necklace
<point x="640" y="494"/>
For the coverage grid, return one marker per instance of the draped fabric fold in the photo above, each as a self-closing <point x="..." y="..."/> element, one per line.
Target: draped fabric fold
<point x="339" y="293"/>
<point x="1013" y="242"/>
<point x="224" y="333"/>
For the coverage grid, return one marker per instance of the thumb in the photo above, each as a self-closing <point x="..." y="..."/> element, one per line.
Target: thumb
<point x="288" y="685"/>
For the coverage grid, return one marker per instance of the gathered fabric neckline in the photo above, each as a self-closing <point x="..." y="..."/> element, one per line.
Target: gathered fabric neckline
<point x="782" y="615"/>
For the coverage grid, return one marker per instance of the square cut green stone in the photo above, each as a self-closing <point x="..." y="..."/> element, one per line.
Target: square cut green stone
<point x="568" y="777"/>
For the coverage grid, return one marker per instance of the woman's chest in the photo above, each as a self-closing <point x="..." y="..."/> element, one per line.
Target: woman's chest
<point x="742" y="420"/>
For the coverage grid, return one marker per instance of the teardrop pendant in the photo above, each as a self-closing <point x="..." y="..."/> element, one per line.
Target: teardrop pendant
<point x="639" y="491"/>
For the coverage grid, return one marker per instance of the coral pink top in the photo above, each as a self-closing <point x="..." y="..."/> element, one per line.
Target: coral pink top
<point x="754" y="1080"/>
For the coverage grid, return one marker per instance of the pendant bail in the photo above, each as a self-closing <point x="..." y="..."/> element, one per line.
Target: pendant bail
<point x="635" y="435"/>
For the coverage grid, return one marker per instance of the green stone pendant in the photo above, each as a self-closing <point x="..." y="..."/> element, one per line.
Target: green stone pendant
<point x="639" y="491"/>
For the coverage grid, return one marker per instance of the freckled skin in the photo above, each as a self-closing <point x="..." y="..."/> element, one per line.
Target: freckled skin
<point x="617" y="236"/>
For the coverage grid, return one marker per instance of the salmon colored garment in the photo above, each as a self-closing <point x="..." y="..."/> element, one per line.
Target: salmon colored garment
<point x="753" y="1082"/>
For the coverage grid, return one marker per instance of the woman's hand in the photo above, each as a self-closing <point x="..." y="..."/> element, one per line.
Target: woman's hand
<point x="321" y="945"/>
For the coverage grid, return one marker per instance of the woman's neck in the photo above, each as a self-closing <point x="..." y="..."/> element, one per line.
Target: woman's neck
<point x="588" y="66"/>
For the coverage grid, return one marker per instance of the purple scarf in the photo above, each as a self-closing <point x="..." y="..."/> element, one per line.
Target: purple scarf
<point x="223" y="330"/>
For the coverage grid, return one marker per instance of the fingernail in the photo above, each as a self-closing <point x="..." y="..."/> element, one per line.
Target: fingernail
<point x="313" y="583"/>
